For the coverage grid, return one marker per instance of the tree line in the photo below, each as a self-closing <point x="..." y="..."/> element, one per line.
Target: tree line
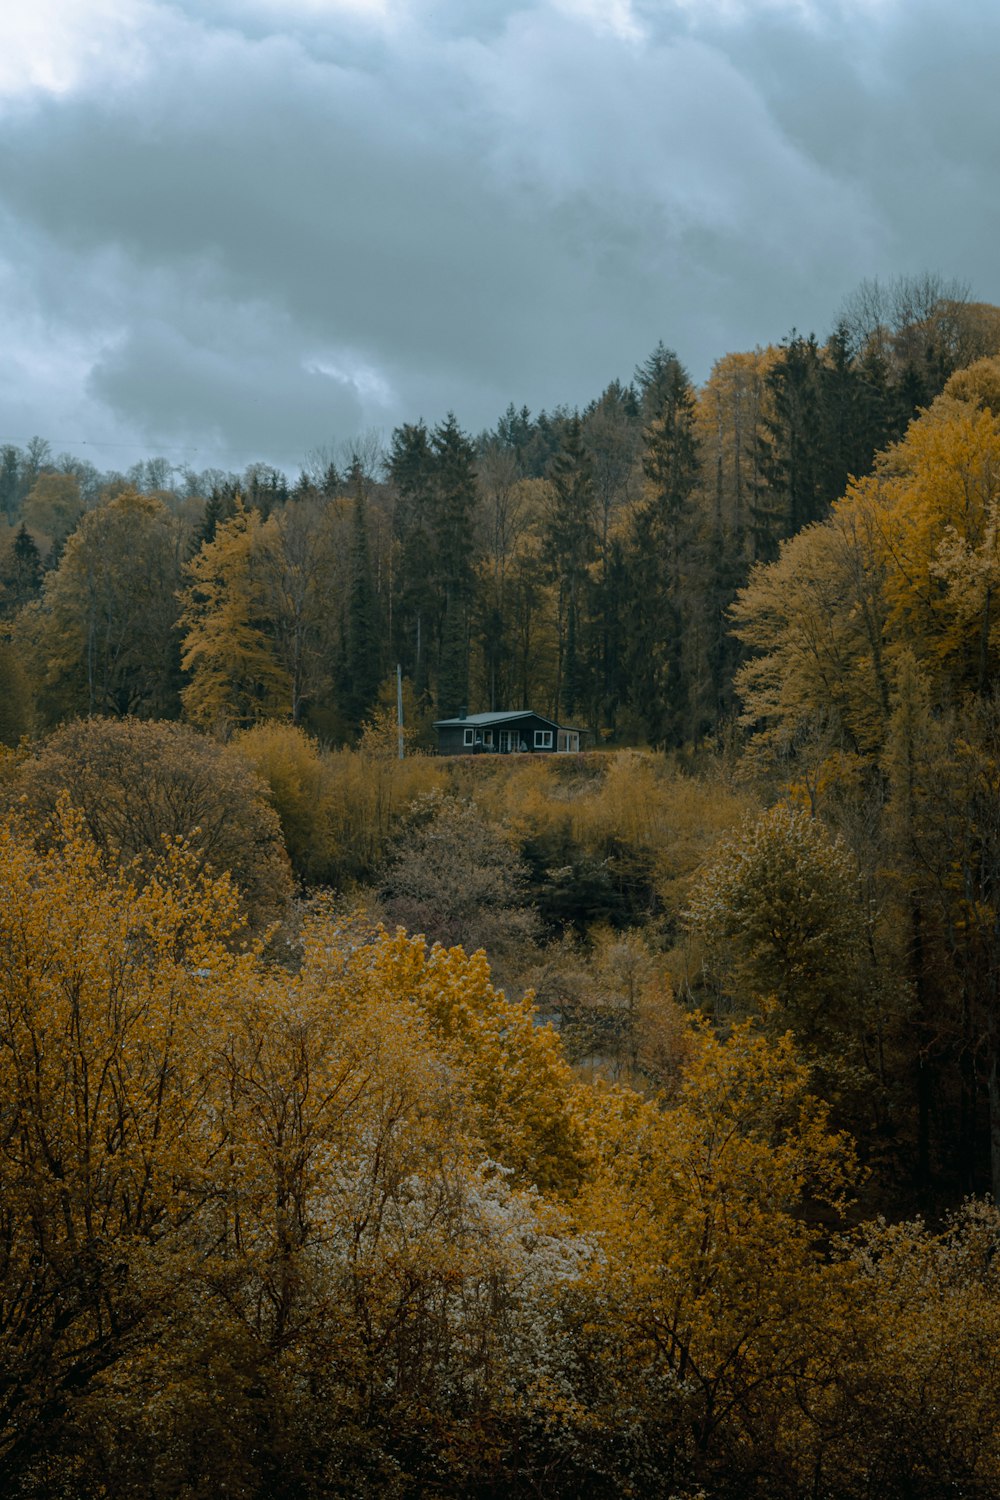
<point x="578" y="562"/>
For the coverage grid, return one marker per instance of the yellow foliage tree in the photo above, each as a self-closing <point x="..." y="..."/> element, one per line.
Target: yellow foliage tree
<point x="300" y="781"/>
<point x="138" y="784"/>
<point x="907" y="560"/>
<point x="355" y="1228"/>
<point x="236" y="1202"/>
<point x="107" y="993"/>
<point x="521" y="1093"/>
<point x="101" y="640"/>
<point x="710" y="1274"/>
<point x="228" y="647"/>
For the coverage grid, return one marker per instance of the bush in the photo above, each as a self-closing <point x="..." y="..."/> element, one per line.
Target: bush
<point x="139" y="785"/>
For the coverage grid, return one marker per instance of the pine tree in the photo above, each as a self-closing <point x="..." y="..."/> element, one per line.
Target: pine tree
<point x="10" y="485"/>
<point x="453" y="662"/>
<point x="21" y="573"/>
<point x="515" y="431"/>
<point x="411" y="472"/>
<point x="841" y="433"/>
<point x="570" y="547"/>
<point x="660" y="541"/>
<point x="454" y="495"/>
<point x="362" y="646"/>
<point x="331" y="483"/>
<point x="222" y="504"/>
<point x="791" y="493"/>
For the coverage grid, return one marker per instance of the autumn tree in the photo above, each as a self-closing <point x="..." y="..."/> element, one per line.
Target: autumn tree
<point x="139" y="785"/>
<point x="456" y="877"/>
<point x="778" y="909"/>
<point x="920" y="328"/>
<point x="729" y="422"/>
<point x="917" y="1403"/>
<point x="732" y="1319"/>
<point x="228" y="648"/>
<point x="102" y="638"/>
<point x="106" y="992"/>
<point x="52" y="509"/>
<point x="306" y="573"/>
<point x="876" y="641"/>
<point x="16" y="717"/>
<point x="301" y="782"/>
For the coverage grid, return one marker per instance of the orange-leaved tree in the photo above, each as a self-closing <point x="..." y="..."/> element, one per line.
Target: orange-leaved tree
<point x="711" y="1277"/>
<point x="107" y="1000"/>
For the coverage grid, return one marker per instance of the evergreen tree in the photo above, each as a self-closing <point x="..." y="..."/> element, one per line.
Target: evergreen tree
<point x="453" y="662"/>
<point x="656" y="379"/>
<point x="411" y="472"/>
<point x="454" y="507"/>
<point x="875" y="420"/>
<point x="790" y="494"/>
<point x="330" y="484"/>
<point x="265" y="489"/>
<point x="545" y="441"/>
<point x="454" y="556"/>
<point x="225" y="499"/>
<point x="660" y="543"/>
<point x="570" y="547"/>
<point x="362" y="644"/>
<point x="612" y="434"/>
<point x="21" y="573"/>
<point x="10" y="485"/>
<point x="515" y="431"/>
<point x="841" y="432"/>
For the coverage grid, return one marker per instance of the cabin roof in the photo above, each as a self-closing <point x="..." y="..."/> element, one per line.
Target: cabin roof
<point x="485" y="720"/>
<point x="480" y="721"/>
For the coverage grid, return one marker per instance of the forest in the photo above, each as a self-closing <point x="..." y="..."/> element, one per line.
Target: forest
<point x="622" y="1123"/>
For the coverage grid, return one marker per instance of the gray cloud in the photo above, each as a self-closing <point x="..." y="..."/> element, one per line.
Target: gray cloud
<point x="249" y="229"/>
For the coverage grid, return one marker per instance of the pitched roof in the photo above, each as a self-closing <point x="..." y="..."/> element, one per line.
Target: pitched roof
<point x="480" y="721"/>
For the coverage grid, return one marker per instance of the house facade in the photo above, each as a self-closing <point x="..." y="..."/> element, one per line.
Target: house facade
<point x="519" y="731"/>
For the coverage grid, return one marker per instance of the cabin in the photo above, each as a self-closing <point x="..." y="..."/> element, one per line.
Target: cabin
<point x="505" y="734"/>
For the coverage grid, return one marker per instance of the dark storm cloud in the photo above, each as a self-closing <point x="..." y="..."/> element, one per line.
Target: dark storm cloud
<point x="253" y="228"/>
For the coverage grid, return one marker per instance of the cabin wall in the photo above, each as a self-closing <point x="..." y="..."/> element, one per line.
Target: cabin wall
<point x="539" y="736"/>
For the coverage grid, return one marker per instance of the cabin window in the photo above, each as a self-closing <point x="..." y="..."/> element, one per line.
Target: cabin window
<point x="543" y="739"/>
<point x="469" y="737"/>
<point x="488" y="737"/>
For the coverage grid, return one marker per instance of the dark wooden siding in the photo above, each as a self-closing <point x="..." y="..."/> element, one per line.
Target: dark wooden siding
<point x="451" y="737"/>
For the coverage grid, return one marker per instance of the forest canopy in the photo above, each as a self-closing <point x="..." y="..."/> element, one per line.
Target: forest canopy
<point x="580" y="563"/>
<point x="358" y="1228"/>
<point x="614" y="1123"/>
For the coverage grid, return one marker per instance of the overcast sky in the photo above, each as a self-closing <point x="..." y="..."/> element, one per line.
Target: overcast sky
<point x="239" y="229"/>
